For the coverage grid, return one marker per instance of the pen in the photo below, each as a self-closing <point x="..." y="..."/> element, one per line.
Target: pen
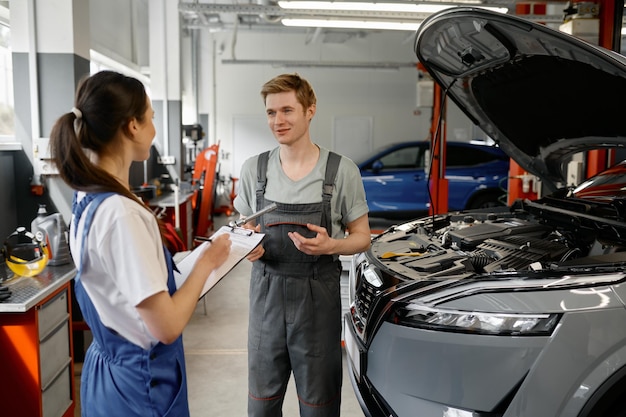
<point x="203" y="239"/>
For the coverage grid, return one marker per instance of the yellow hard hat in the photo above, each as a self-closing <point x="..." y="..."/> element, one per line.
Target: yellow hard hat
<point x="24" y="254"/>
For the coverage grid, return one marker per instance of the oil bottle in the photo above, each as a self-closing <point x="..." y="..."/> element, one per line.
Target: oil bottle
<point x="51" y="229"/>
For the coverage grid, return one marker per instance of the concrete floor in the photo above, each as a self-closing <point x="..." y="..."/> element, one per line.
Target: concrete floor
<point x="216" y="355"/>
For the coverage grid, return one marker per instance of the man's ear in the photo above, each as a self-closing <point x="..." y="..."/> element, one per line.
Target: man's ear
<point x="311" y="111"/>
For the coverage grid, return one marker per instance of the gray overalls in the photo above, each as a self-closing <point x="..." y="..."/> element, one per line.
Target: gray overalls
<point x="295" y="310"/>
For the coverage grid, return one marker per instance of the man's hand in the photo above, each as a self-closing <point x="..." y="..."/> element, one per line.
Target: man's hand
<point x="321" y="244"/>
<point x="257" y="252"/>
<point x="357" y="240"/>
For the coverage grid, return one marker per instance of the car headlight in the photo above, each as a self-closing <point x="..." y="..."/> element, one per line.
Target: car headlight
<point x="502" y="324"/>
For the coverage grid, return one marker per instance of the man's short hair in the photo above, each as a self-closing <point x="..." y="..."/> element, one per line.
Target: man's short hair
<point x="291" y="82"/>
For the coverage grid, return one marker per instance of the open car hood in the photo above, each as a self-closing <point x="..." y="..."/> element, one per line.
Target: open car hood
<point x="541" y="94"/>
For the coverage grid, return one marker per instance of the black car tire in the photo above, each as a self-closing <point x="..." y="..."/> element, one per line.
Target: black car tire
<point x="608" y="401"/>
<point x="486" y="200"/>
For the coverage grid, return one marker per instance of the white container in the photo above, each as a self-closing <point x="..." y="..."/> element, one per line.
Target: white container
<point x="52" y="231"/>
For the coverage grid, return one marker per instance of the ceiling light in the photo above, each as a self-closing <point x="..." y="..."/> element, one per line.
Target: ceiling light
<point x="351" y="24"/>
<point x="405" y="16"/>
<point x="362" y="6"/>
<point x="378" y="7"/>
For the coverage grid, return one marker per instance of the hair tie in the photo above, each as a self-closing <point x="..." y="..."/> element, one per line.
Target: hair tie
<point x="77" y="113"/>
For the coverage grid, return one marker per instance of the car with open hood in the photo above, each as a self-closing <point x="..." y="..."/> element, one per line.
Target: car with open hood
<point x="516" y="311"/>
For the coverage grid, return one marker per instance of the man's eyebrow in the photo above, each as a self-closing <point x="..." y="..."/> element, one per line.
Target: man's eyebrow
<point x="288" y="107"/>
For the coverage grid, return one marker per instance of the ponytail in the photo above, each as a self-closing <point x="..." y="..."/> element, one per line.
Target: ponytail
<point x="104" y="104"/>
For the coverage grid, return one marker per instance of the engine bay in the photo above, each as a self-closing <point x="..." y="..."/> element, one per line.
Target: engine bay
<point x="541" y="235"/>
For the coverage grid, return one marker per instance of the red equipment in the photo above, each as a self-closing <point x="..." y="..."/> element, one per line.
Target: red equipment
<point x="203" y="180"/>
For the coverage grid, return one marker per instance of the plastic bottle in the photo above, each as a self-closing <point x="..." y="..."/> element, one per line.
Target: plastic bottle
<point x="51" y="230"/>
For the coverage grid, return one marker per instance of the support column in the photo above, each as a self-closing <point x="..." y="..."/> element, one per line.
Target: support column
<point x="165" y="73"/>
<point x="50" y="55"/>
<point x="438" y="183"/>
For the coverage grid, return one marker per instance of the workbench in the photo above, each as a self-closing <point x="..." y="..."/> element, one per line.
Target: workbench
<point x="36" y="360"/>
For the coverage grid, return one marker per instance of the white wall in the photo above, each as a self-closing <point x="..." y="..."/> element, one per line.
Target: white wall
<point x="230" y="92"/>
<point x="119" y="29"/>
<point x="388" y="96"/>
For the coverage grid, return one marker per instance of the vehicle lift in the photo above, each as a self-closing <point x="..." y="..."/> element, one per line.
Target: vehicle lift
<point x="204" y="182"/>
<point x="438" y="184"/>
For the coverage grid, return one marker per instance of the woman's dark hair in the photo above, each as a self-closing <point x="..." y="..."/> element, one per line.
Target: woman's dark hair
<point x="105" y="103"/>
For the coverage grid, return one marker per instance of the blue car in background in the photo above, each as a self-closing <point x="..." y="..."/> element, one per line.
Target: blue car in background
<point x="396" y="178"/>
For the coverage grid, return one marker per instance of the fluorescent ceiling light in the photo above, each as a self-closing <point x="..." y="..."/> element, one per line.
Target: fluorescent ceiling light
<point x="407" y="23"/>
<point x="351" y="24"/>
<point x="378" y="7"/>
<point x="361" y="6"/>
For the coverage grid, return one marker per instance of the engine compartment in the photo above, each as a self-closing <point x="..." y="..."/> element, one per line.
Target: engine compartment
<point x="546" y="234"/>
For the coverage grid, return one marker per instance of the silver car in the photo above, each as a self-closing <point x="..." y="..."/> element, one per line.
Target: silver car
<point x="518" y="311"/>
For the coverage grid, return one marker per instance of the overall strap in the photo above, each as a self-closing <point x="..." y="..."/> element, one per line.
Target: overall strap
<point x="332" y="166"/>
<point x="261" y="178"/>
<point x="78" y="210"/>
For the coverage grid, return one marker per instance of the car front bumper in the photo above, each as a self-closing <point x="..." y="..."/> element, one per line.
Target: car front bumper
<point x="371" y="402"/>
<point x="406" y="371"/>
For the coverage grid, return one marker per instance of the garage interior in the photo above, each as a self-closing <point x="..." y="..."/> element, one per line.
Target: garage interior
<point x="203" y="63"/>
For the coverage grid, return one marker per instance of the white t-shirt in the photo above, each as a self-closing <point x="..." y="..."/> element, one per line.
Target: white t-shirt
<point x="123" y="264"/>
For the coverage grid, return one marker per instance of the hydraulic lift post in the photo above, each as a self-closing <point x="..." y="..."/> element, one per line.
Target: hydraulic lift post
<point x="438" y="183"/>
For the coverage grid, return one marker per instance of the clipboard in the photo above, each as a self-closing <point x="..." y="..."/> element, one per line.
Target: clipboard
<point x="243" y="241"/>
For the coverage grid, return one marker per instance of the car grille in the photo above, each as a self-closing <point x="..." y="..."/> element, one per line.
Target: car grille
<point x="365" y="296"/>
<point x="367" y="304"/>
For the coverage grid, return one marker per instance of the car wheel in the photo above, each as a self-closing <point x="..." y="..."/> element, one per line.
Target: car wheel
<point x="486" y="200"/>
<point x="608" y="401"/>
<point x="616" y="408"/>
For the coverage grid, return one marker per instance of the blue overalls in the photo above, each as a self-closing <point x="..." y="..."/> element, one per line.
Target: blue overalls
<point x="295" y="310"/>
<point x="120" y="378"/>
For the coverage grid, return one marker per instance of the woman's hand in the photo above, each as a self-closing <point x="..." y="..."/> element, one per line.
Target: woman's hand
<point x="214" y="255"/>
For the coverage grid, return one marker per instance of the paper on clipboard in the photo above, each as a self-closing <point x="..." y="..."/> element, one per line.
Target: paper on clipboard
<point x="243" y="241"/>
